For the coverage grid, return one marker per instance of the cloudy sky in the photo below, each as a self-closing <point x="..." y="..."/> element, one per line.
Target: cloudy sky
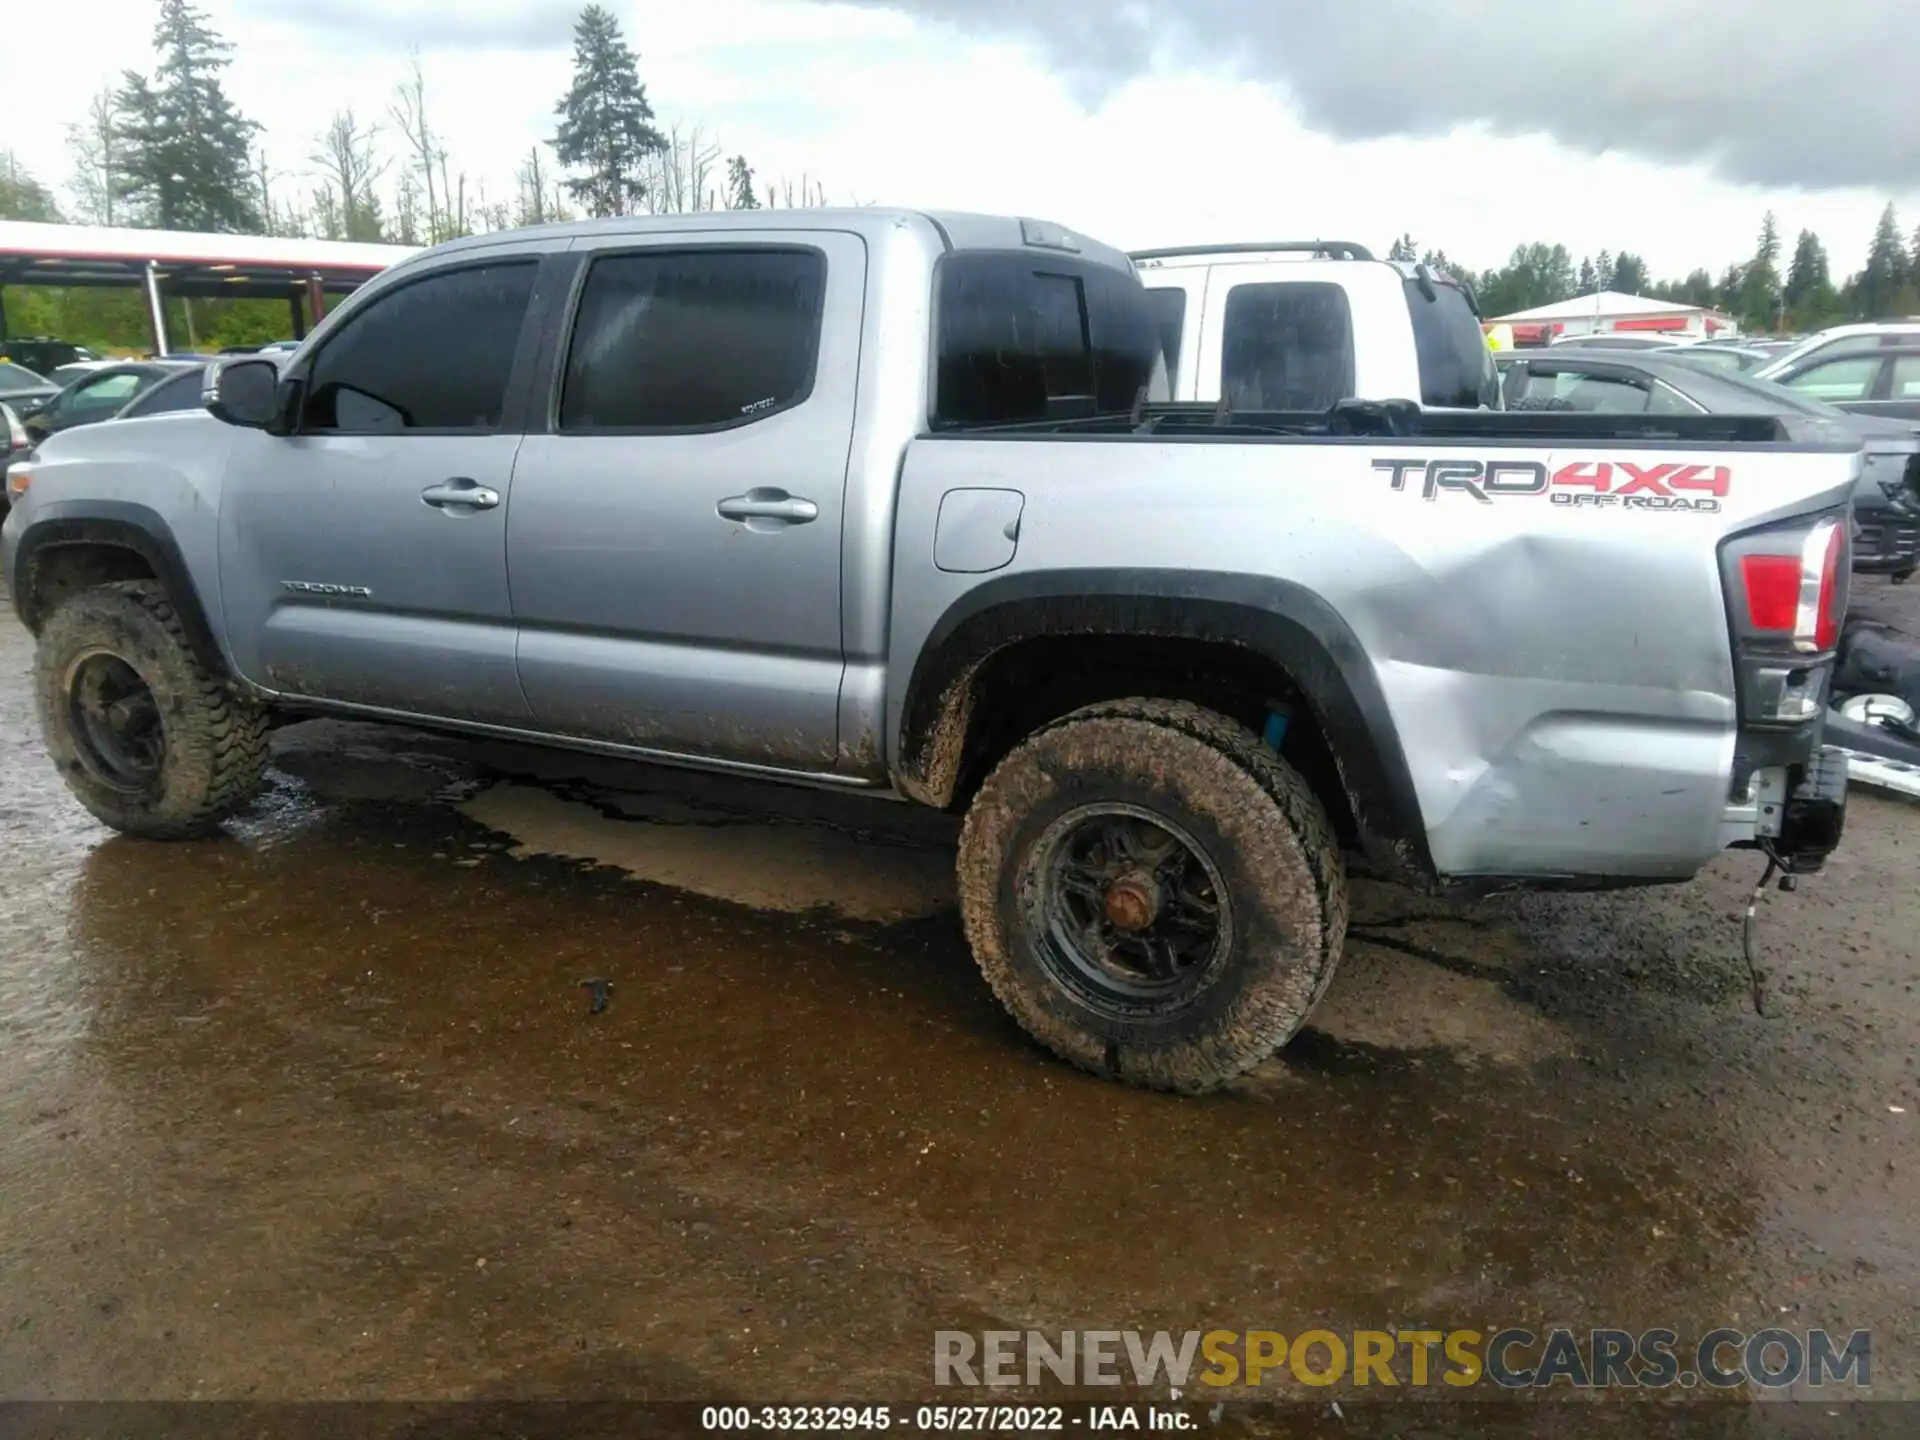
<point x="1666" y="127"/>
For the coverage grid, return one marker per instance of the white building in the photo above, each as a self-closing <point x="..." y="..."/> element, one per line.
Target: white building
<point x="1610" y="311"/>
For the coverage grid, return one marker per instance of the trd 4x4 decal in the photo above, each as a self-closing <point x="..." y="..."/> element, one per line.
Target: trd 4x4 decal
<point x="1625" y="484"/>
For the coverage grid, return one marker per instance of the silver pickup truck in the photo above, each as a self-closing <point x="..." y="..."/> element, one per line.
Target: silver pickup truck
<point x="882" y="501"/>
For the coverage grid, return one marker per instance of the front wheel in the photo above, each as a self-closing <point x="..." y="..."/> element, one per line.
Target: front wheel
<point x="1152" y="893"/>
<point x="145" y="737"/>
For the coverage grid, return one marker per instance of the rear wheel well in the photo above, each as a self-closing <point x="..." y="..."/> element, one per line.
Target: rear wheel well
<point x="1022" y="687"/>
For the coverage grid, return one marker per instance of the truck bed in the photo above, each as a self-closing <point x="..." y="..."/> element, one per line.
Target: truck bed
<point x="1535" y="599"/>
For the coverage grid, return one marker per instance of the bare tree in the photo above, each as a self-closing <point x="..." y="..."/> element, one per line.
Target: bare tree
<point x="94" y="145"/>
<point x="811" y="194"/>
<point x="275" y="218"/>
<point x="680" y="177"/>
<point x="349" y="165"/>
<point x="407" y="220"/>
<point x="409" y="111"/>
<point x="539" y="201"/>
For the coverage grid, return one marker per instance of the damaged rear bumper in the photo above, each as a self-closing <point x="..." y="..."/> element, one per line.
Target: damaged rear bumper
<point x="1796" y="813"/>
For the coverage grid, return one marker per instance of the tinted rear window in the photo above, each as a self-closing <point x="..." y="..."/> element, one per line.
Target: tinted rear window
<point x="1022" y="337"/>
<point x="1287" y="346"/>
<point x="1456" y="368"/>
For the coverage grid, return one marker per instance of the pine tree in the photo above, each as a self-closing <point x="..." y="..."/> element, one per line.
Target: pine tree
<point x="186" y="159"/>
<point x="1603" y="269"/>
<point x="1630" y="275"/>
<point x="1589" y="276"/>
<point x="1876" y="290"/>
<point x="740" y="194"/>
<point x="1403" y="249"/>
<point x="1758" y="303"/>
<point x="605" y="121"/>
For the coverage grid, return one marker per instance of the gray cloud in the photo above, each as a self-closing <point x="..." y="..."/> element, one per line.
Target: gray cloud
<point x="385" y="27"/>
<point x="1806" y="93"/>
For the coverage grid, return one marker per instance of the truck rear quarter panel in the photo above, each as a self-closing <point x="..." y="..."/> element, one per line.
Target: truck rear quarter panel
<point x="1553" y="654"/>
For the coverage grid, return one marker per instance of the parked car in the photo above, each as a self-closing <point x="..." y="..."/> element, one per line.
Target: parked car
<point x="870" y="499"/>
<point x="65" y="375"/>
<point x="14" y="445"/>
<point x="1302" y="325"/>
<point x="183" y="391"/>
<point x="102" y="394"/>
<point x="1740" y="359"/>
<point x="1869" y="369"/>
<point x="1886" y="500"/>
<point x="42" y="353"/>
<point x="23" y="389"/>
<point x="1609" y="340"/>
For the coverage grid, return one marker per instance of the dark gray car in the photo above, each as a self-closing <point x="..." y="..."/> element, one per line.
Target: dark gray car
<point x="24" y="390"/>
<point x="1886" y="502"/>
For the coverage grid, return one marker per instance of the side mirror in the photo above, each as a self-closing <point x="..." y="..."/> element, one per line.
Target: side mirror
<point x="244" y="392"/>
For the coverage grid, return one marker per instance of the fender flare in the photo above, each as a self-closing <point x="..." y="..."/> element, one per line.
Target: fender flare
<point x="127" y="526"/>
<point x="1284" y="623"/>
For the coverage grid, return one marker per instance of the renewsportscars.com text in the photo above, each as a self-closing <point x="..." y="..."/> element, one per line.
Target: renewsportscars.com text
<point x="1511" y="1359"/>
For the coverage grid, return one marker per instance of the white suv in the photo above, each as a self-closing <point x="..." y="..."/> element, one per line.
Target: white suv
<point x="1301" y="325"/>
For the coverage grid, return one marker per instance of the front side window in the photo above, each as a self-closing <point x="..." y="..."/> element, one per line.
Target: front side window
<point x="18" y="376"/>
<point x="1025" y="338"/>
<point x="1287" y="346"/>
<point x="1833" y="380"/>
<point x="431" y="355"/>
<point x="694" y="339"/>
<point x="1456" y="367"/>
<point x="1906" y="377"/>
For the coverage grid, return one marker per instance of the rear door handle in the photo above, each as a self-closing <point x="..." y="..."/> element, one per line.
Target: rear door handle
<point x="768" y="504"/>
<point x="460" y="492"/>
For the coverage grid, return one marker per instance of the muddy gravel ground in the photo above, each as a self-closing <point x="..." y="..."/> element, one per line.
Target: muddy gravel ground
<point x="317" y="1110"/>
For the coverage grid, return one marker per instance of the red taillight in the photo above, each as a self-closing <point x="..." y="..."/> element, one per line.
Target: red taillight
<point x="1800" y="595"/>
<point x="1826" y="630"/>
<point x="1773" y="591"/>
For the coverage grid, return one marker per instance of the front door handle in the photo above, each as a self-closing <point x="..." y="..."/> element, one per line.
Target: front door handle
<point x="768" y="504"/>
<point x="462" y="492"/>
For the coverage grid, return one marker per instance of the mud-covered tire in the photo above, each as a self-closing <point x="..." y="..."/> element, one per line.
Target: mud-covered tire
<point x="1252" y="818"/>
<point x="214" y="742"/>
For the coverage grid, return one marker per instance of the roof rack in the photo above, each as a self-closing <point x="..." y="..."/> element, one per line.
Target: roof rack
<point x="1330" y="249"/>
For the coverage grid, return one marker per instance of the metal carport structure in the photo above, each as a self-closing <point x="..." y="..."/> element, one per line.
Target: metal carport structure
<point x="181" y="263"/>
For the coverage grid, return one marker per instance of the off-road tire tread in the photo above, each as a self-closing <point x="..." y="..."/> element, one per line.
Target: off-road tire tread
<point x="217" y="739"/>
<point x="1204" y="1065"/>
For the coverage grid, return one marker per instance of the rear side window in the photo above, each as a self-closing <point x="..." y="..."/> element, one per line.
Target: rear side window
<point x="1169" y="324"/>
<point x="1835" y="381"/>
<point x="1287" y="346"/>
<point x="694" y="339"/>
<point x="431" y="355"/>
<point x="1456" y="367"/>
<point x="1023" y="338"/>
